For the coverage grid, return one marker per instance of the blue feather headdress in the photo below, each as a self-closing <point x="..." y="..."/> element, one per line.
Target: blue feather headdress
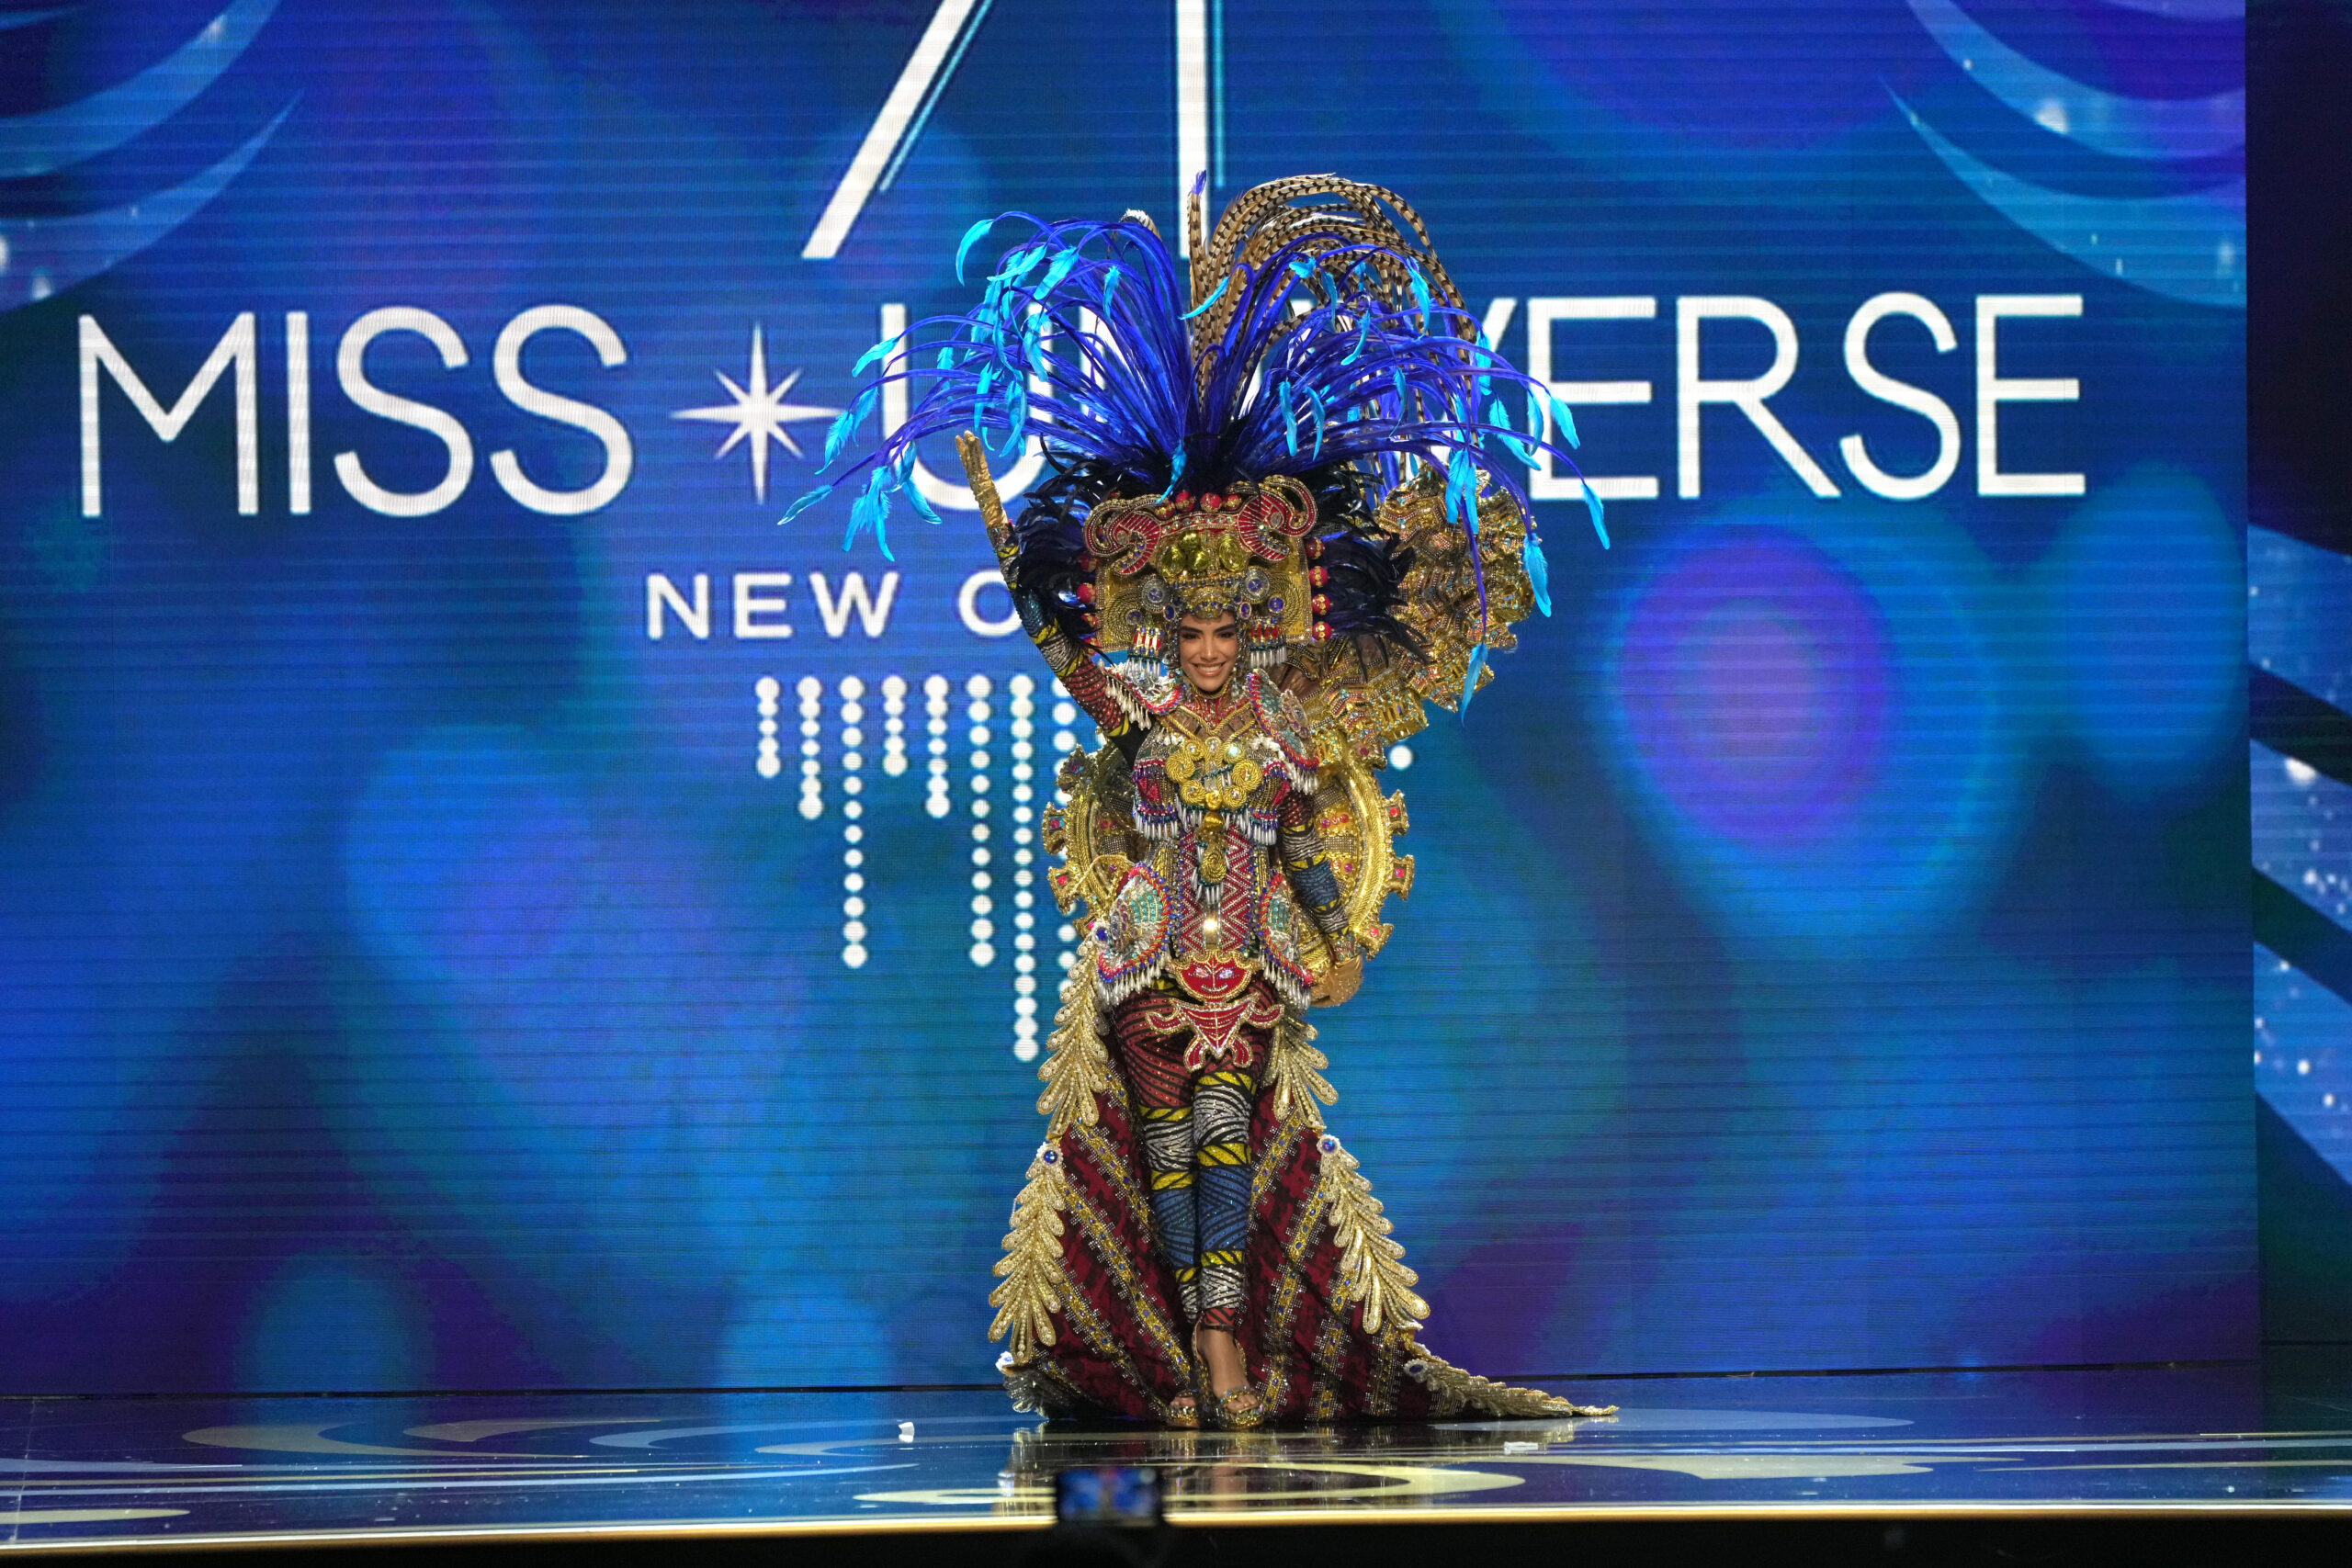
<point x="1308" y="339"/>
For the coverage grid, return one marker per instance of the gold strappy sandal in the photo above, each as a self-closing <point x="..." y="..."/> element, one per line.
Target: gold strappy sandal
<point x="1237" y="1409"/>
<point x="1241" y="1409"/>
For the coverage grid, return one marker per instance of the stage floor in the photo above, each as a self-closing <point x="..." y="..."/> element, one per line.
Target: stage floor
<point x="325" y="1469"/>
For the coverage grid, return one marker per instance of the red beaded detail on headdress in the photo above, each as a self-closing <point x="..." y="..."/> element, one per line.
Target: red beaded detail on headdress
<point x="1267" y="520"/>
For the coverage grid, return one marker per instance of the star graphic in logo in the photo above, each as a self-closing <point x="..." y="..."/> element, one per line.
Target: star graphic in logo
<point x="759" y="413"/>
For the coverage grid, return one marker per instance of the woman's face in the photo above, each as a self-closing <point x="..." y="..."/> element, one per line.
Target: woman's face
<point x="1205" y="650"/>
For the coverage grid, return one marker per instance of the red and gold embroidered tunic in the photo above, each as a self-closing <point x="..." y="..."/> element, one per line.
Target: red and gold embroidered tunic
<point x="1224" y="793"/>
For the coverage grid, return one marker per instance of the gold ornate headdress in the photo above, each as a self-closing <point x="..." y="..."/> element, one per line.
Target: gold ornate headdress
<point x="1242" y="553"/>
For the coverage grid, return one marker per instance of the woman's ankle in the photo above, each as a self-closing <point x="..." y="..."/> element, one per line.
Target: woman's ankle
<point x="1224" y="1364"/>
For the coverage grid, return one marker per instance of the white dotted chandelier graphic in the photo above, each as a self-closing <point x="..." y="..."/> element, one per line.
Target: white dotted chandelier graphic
<point x="1008" y="912"/>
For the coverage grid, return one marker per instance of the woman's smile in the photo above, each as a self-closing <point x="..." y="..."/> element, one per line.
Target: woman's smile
<point x="1205" y="649"/>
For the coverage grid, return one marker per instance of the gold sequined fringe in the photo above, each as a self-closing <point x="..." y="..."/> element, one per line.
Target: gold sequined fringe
<point x="1452" y="1391"/>
<point x="1034" y="1286"/>
<point x="1371" y="1267"/>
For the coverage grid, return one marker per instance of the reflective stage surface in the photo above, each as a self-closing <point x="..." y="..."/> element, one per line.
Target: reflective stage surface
<point x="327" y="1468"/>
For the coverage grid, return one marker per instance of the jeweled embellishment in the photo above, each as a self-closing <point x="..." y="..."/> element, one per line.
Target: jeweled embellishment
<point x="1133" y="940"/>
<point x="1210" y="777"/>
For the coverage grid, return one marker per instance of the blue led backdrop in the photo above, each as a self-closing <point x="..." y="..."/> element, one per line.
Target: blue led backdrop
<point x="483" y="905"/>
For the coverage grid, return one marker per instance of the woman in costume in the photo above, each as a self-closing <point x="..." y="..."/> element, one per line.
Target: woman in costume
<point x="1277" y="524"/>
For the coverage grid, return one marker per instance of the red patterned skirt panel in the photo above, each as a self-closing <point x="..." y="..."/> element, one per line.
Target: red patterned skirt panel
<point x="1120" y="1345"/>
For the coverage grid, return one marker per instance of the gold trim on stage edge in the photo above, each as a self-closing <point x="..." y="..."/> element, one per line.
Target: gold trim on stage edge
<point x="1203" y="1518"/>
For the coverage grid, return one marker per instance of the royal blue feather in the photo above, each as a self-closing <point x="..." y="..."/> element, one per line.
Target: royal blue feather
<point x="872" y="510"/>
<point x="1470" y="677"/>
<point x="1462" y="490"/>
<point x="845" y="424"/>
<point x="1202" y="308"/>
<point x="1388" y="384"/>
<point x="972" y="236"/>
<point x="1564" y="422"/>
<point x="804" y="503"/>
<point x="1539" y="571"/>
<point x="877" y="352"/>
<point x="916" y="499"/>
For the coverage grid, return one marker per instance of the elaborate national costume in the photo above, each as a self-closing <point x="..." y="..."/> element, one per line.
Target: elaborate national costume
<point x="1303" y="439"/>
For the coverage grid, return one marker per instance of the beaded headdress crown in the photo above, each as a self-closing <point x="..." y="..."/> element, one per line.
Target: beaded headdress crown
<point x="1238" y="553"/>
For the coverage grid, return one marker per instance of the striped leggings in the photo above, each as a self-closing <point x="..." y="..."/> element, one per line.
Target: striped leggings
<point x="1196" y="1131"/>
